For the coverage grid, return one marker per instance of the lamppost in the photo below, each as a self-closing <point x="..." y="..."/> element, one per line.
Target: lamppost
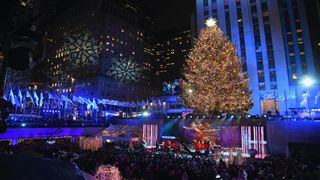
<point x="308" y="82"/>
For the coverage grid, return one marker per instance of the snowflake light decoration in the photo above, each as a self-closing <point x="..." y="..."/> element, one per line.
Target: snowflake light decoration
<point x="83" y="49"/>
<point x="125" y="70"/>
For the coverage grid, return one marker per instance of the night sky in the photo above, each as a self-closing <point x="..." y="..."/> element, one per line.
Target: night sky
<point x="169" y="13"/>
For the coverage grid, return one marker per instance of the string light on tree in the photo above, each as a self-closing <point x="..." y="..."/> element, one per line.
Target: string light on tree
<point x="213" y="80"/>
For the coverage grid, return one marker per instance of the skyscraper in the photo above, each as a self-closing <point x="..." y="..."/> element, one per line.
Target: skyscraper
<point x="96" y="49"/>
<point x="171" y="50"/>
<point x="274" y="44"/>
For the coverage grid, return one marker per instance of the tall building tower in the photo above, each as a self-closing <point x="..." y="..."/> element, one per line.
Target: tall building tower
<point x="313" y="16"/>
<point x="170" y="54"/>
<point x="273" y="42"/>
<point x="96" y="49"/>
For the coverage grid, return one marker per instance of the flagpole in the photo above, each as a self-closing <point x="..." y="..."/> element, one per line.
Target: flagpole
<point x="275" y="102"/>
<point x="285" y="96"/>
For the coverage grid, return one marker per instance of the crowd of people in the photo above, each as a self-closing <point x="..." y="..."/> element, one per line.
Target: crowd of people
<point x="135" y="162"/>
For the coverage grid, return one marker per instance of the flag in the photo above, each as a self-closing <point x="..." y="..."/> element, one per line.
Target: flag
<point x="66" y="105"/>
<point x="12" y="98"/>
<point x="36" y="98"/>
<point x="87" y="101"/>
<point x="75" y="99"/>
<point x="104" y="101"/>
<point x="281" y="97"/>
<point x="80" y="100"/>
<point x="317" y="97"/>
<point x="65" y="98"/>
<point x="50" y="96"/>
<point x="99" y="101"/>
<point x="18" y="103"/>
<point x="304" y="99"/>
<point x="94" y="104"/>
<point x="292" y="96"/>
<point x="20" y="95"/>
<point x="269" y="96"/>
<point x="41" y="99"/>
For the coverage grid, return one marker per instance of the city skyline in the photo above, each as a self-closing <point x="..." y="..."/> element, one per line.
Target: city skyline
<point x="273" y="62"/>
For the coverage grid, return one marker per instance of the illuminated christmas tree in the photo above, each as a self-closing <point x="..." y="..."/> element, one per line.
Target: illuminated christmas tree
<point x="213" y="80"/>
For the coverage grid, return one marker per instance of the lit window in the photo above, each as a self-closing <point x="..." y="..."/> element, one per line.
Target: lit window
<point x="294" y="76"/>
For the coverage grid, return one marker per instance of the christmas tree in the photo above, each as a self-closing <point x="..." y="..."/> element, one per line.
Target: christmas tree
<point x="213" y="80"/>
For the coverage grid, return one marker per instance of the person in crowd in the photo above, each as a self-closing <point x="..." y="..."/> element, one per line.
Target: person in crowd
<point x="136" y="162"/>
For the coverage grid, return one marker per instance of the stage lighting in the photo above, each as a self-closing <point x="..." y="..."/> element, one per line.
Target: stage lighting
<point x="308" y="81"/>
<point x="23" y="124"/>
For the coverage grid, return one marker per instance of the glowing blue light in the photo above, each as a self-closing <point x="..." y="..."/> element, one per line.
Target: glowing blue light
<point x="145" y="114"/>
<point x="23" y="124"/>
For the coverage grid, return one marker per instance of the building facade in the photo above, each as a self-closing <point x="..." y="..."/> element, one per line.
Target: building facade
<point x="274" y="44"/>
<point x="171" y="51"/>
<point x="96" y="49"/>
